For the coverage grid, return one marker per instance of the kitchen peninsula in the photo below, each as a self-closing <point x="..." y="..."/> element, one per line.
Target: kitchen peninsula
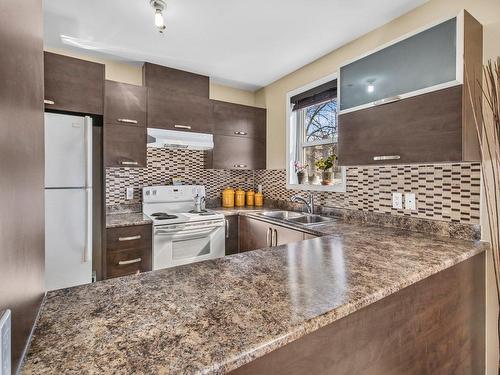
<point x="385" y="293"/>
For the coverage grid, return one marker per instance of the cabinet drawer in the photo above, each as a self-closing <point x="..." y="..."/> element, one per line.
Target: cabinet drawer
<point x="123" y="238"/>
<point x="127" y="262"/>
<point x="238" y="120"/>
<point x="237" y="153"/>
<point x="124" y="104"/>
<point x="73" y="85"/>
<point x="124" y="146"/>
<point x="171" y="111"/>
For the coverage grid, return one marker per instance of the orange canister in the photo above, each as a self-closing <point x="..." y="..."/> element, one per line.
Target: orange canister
<point x="228" y="197"/>
<point x="250" y="197"/>
<point x="259" y="199"/>
<point x="239" y="200"/>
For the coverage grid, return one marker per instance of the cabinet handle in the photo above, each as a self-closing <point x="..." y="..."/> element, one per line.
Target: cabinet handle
<point x="391" y="99"/>
<point x="188" y="127"/>
<point x="275" y="237"/>
<point x="131" y="238"/>
<point x="227" y="228"/>
<point x="240" y="133"/>
<point x="129" y="163"/>
<point x="132" y="261"/>
<point x="127" y="121"/>
<point x="269" y="240"/>
<point x="49" y="102"/>
<point x="240" y="166"/>
<point x="387" y="157"/>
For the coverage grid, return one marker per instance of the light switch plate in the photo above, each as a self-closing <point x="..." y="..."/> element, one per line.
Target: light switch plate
<point x="5" y="343"/>
<point x="397" y="201"/>
<point x="410" y="202"/>
<point x="130" y="193"/>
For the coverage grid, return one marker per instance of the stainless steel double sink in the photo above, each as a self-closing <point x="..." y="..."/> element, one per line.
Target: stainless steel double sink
<point x="296" y="217"/>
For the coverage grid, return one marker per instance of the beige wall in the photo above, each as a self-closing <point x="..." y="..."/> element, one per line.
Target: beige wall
<point x="273" y="96"/>
<point x="132" y="73"/>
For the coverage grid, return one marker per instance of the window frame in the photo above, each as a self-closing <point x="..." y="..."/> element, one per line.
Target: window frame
<point x="290" y="143"/>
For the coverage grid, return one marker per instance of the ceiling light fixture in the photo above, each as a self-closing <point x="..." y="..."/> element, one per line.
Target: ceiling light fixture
<point x="159" y="6"/>
<point x="371" y="87"/>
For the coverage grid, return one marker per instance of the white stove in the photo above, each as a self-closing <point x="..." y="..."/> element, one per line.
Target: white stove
<point x="182" y="236"/>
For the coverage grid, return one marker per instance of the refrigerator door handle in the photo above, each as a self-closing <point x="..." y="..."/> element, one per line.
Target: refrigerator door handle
<point x="88" y="226"/>
<point x="88" y="151"/>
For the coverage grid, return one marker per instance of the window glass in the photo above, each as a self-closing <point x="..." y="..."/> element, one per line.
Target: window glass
<point x="320" y="121"/>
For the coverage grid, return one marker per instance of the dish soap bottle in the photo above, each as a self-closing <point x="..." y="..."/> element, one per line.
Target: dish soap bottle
<point x="228" y="197"/>
<point x="240" y="198"/>
<point x="259" y="197"/>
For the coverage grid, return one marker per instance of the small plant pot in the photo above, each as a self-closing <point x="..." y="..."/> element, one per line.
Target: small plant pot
<point x="301" y="175"/>
<point x="327" y="178"/>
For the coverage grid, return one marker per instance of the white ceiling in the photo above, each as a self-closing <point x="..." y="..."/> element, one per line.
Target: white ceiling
<point x="242" y="43"/>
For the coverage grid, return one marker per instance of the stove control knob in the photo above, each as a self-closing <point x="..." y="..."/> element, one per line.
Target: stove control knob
<point x="154" y="192"/>
<point x="148" y="192"/>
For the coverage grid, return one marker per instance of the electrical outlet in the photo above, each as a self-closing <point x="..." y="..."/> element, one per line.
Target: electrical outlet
<point x="410" y="203"/>
<point x="397" y="201"/>
<point x="5" y="342"/>
<point x="130" y="193"/>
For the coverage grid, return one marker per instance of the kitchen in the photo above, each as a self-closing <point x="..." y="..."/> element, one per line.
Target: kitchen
<point x="246" y="213"/>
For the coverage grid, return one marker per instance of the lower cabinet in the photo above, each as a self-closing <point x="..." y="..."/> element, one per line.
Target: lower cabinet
<point x="128" y="250"/>
<point x="232" y="230"/>
<point x="256" y="234"/>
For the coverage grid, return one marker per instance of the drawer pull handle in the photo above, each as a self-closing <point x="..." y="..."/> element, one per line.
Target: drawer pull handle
<point x="129" y="163"/>
<point x="240" y="133"/>
<point x="240" y="166"/>
<point x="188" y="127"/>
<point x="131" y="238"/>
<point x="49" y="102"/>
<point x="127" y="121"/>
<point x="132" y="261"/>
<point x="387" y="157"/>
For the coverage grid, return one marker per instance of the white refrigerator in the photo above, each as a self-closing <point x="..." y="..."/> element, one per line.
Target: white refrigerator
<point x="68" y="201"/>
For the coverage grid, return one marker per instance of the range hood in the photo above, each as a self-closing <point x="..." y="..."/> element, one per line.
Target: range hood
<point x="161" y="138"/>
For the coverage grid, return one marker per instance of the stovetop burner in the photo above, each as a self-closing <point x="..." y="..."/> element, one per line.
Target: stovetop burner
<point x="163" y="216"/>
<point x="202" y="212"/>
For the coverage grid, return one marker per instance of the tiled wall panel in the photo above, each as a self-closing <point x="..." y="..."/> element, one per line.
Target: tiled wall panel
<point x="449" y="192"/>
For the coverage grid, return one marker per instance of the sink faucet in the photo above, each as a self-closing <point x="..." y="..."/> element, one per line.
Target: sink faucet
<point x="309" y="203"/>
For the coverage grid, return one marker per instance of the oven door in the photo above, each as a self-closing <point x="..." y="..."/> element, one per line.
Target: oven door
<point x="179" y="244"/>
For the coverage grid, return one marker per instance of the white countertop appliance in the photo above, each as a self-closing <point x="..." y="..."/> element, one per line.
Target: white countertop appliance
<point x="182" y="236"/>
<point x="68" y="200"/>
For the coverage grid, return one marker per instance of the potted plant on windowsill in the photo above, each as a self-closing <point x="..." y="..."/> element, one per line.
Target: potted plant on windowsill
<point x="325" y="166"/>
<point x="300" y="170"/>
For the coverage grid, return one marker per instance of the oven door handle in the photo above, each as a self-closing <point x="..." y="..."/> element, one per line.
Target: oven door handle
<point x="185" y="233"/>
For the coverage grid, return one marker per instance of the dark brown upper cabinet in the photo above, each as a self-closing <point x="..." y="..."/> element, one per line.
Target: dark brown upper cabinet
<point x="73" y="85"/>
<point x="238" y="120"/>
<point x="124" y="146"/>
<point x="239" y="137"/>
<point x="177" y="100"/>
<point x="169" y="110"/>
<point x="421" y="110"/>
<point x="174" y="80"/>
<point x="124" y="104"/>
<point x="124" y="125"/>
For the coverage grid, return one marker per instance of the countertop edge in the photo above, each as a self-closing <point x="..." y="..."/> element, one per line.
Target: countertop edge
<point x="339" y="313"/>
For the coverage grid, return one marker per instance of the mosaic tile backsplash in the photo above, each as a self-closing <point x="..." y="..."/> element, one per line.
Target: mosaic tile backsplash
<point x="447" y="192"/>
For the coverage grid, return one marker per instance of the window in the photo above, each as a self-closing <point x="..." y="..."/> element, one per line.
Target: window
<point x="312" y="132"/>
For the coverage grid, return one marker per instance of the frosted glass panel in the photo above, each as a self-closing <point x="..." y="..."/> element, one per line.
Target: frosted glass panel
<point x="423" y="60"/>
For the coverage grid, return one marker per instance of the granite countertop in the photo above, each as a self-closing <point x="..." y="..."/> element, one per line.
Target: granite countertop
<point x="214" y="316"/>
<point x="127" y="220"/>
